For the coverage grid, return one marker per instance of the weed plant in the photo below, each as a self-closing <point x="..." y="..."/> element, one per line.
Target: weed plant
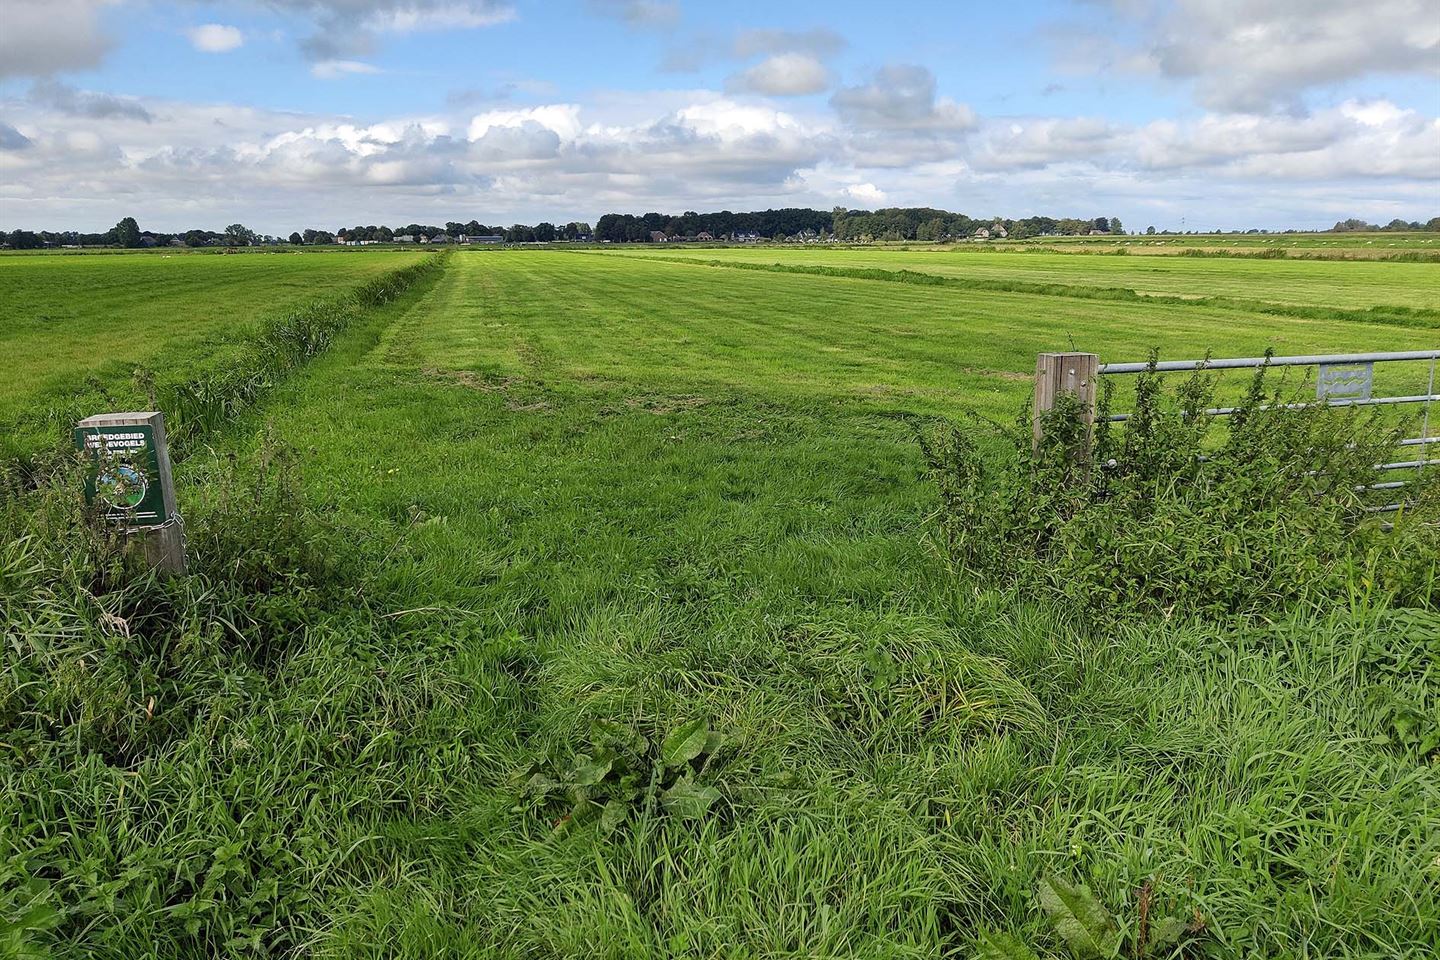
<point x="1185" y="510"/>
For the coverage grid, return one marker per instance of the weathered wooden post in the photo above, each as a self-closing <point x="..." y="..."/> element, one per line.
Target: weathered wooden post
<point x="1059" y="374"/>
<point x="130" y="483"/>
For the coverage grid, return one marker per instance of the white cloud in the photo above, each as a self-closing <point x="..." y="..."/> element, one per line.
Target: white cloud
<point x="1035" y="143"/>
<point x="347" y="29"/>
<point x="78" y="158"/>
<point x="1254" y="55"/>
<point x="46" y="37"/>
<point x="437" y="16"/>
<point x="820" y="42"/>
<point x="866" y="193"/>
<point x="215" y="37"/>
<point x="898" y="119"/>
<point x="66" y="99"/>
<point x="561" y="119"/>
<point x="334" y="69"/>
<point x="783" y="75"/>
<point x="901" y="98"/>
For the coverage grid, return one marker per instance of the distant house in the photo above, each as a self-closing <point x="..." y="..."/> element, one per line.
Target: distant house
<point x="982" y="234"/>
<point x="405" y="238"/>
<point x="440" y="238"/>
<point x="703" y="235"/>
<point x="487" y="238"/>
<point x="998" y="230"/>
<point x="658" y="236"/>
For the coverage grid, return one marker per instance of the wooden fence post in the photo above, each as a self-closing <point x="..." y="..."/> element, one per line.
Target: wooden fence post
<point x="130" y="483"/>
<point x="1058" y="374"/>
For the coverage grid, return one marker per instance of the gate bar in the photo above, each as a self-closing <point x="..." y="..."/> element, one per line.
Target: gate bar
<point x="1233" y="363"/>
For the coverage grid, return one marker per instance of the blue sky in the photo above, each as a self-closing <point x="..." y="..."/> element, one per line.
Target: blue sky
<point x="291" y="113"/>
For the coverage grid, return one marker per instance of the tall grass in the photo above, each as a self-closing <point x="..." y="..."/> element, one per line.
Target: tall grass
<point x="1179" y="509"/>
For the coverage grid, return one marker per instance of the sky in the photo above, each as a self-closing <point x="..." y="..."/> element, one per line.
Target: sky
<point x="286" y="114"/>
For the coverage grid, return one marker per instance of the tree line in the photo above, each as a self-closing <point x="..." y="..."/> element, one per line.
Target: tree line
<point x="1355" y="225"/>
<point x="891" y="223"/>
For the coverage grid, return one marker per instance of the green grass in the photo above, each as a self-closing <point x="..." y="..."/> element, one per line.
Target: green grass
<point x="1335" y="284"/>
<point x="553" y="489"/>
<point x="72" y="317"/>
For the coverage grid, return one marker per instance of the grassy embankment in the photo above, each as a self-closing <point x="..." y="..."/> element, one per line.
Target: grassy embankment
<point x="555" y="491"/>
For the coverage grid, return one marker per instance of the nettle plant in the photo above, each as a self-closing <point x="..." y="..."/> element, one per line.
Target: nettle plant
<point x="1183" y="509"/>
<point x="622" y="773"/>
<point x="1089" y="931"/>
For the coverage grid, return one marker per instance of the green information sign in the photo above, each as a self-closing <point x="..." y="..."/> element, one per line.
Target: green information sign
<point x="124" y="480"/>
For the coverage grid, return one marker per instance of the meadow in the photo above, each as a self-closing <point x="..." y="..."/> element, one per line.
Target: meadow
<point x="1316" y="283"/>
<point x="663" y="532"/>
<point x="73" y="318"/>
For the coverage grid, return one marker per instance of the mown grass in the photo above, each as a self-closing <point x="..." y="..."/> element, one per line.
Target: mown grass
<point x="1348" y="286"/>
<point x="72" y="318"/>
<point x="554" y="490"/>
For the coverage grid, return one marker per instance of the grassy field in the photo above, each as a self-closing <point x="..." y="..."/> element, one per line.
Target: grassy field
<point x="1334" y="284"/>
<point x="73" y="317"/>
<point x="544" y="503"/>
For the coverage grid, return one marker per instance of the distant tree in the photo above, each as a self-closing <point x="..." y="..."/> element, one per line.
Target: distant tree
<point x="296" y="239"/>
<point x="196" y="238"/>
<point x="127" y="232"/>
<point x="239" y="235"/>
<point x="544" y="232"/>
<point x="1397" y="224"/>
<point x="1102" y="224"/>
<point x="1115" y="225"/>
<point x="24" y="240"/>
<point x="1149" y="231"/>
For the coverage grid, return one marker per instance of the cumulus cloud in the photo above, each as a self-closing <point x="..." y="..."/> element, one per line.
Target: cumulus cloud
<point x="276" y="168"/>
<point x="215" y="37"/>
<point x="898" y="120"/>
<point x="66" y="99"/>
<point x="1036" y="143"/>
<point x="73" y="158"/>
<point x="1255" y="55"/>
<point x="783" y="75"/>
<point x="1370" y="139"/>
<point x="46" y="37"/>
<point x="865" y="193"/>
<point x="901" y="98"/>
<point x="1356" y="139"/>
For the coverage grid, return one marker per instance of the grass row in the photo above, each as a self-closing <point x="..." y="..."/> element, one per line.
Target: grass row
<point x="1419" y="318"/>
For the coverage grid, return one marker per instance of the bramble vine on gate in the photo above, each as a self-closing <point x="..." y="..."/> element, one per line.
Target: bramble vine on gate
<point x="1182" y="509"/>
